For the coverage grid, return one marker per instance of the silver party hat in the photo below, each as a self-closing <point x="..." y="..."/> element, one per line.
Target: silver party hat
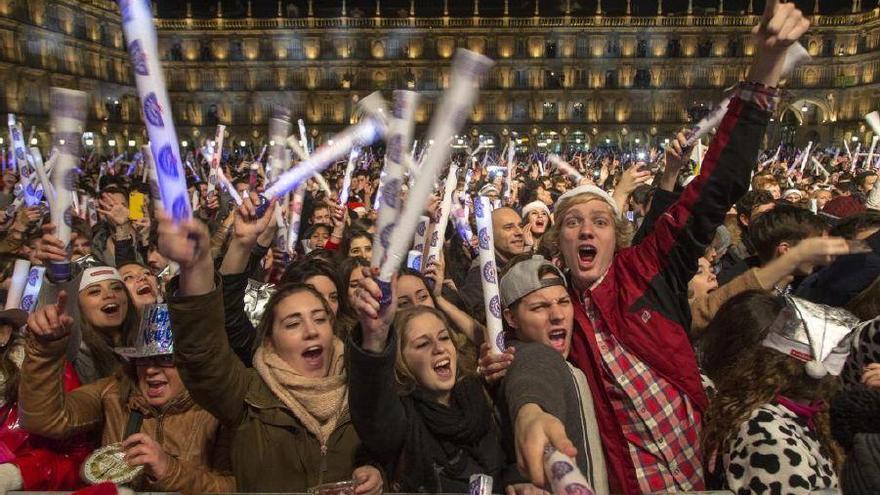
<point x="154" y="334"/>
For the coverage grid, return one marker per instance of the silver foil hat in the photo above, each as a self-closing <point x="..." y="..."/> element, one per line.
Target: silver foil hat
<point x="256" y="296"/>
<point x="816" y="334"/>
<point x="154" y="334"/>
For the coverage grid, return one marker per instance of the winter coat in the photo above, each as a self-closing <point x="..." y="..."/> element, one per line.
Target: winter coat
<point x="271" y="451"/>
<point x="186" y="432"/>
<point x="639" y="298"/>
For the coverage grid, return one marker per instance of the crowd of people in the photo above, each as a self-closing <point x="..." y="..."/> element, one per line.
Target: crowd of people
<point x="673" y="323"/>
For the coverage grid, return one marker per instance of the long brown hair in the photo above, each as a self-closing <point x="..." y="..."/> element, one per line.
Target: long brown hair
<point x="761" y="374"/>
<point x="264" y="328"/>
<point x="406" y="381"/>
<point x="101" y="343"/>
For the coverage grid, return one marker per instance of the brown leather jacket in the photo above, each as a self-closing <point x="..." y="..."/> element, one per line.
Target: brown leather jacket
<point x="190" y="435"/>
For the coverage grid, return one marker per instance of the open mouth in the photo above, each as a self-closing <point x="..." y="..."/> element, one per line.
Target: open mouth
<point x="155" y="388"/>
<point x="144" y="290"/>
<point x="443" y="368"/>
<point x="587" y="254"/>
<point x="314" y="356"/>
<point x="557" y="338"/>
<point x="111" y="309"/>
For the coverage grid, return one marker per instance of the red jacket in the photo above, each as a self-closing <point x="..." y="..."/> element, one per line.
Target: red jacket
<point x="642" y="297"/>
<point x="44" y="464"/>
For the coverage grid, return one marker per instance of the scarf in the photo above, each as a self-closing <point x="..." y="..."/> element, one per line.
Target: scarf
<point x="317" y="403"/>
<point x="803" y="411"/>
<point x="437" y="442"/>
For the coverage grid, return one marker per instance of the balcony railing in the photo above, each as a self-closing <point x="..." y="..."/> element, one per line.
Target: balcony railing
<point x="496" y="22"/>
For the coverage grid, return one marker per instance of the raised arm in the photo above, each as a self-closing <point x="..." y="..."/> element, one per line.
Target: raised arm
<point x="681" y="235"/>
<point x="44" y="407"/>
<point x="213" y="375"/>
<point x="377" y="412"/>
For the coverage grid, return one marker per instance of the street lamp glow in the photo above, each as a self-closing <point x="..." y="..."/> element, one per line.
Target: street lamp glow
<point x="855" y="138"/>
<point x="638" y="140"/>
<point x="111" y="142"/>
<point x="90" y="142"/>
<point x="272" y="143"/>
<point x="607" y="141"/>
<point x="184" y="143"/>
<point x="131" y="143"/>
<point x="33" y="141"/>
<point x="242" y="144"/>
<point x="61" y="142"/>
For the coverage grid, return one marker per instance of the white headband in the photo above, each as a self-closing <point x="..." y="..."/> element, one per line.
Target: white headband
<point x="535" y="205"/>
<point x="98" y="274"/>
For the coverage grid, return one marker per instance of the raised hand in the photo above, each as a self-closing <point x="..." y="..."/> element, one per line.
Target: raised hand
<point x="49" y="247"/>
<point x="186" y="243"/>
<point x="247" y="226"/>
<point x="374" y="318"/>
<point x="781" y="25"/>
<point x="113" y="210"/>
<point x="491" y="366"/>
<point x="51" y="322"/>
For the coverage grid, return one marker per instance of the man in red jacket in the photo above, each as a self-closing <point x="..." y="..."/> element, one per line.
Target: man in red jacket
<point x="630" y="316"/>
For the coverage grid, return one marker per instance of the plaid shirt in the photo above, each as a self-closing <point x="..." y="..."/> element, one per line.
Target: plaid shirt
<point x="660" y="425"/>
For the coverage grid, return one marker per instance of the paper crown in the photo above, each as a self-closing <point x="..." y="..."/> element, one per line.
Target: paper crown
<point x="816" y="334"/>
<point x="154" y="334"/>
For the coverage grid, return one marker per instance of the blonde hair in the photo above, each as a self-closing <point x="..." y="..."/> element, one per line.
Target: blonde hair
<point x="406" y="380"/>
<point x="623" y="230"/>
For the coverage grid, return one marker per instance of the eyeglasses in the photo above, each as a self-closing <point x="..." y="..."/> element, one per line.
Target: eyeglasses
<point x="163" y="361"/>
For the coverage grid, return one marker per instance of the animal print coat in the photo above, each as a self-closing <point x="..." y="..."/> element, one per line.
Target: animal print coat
<point x="775" y="452"/>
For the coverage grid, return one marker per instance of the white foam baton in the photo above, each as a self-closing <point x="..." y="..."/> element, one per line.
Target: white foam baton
<point x="279" y="128"/>
<point x="16" y="286"/>
<point x="795" y="55"/>
<point x="435" y="247"/>
<point x="35" y="159"/>
<point x="31" y="294"/>
<point x="68" y="115"/>
<point x="31" y="192"/>
<point x="564" y="166"/>
<point x="216" y="154"/>
<point x="295" y="217"/>
<point x="346" y="180"/>
<point x="564" y="476"/>
<point x="400" y="131"/>
<point x="873" y="120"/>
<point x="15" y="138"/>
<point x="304" y="140"/>
<point x="489" y="275"/>
<point x="363" y="134"/>
<point x="508" y="179"/>
<point x="454" y="108"/>
<point x="806" y="156"/>
<point x="137" y="23"/>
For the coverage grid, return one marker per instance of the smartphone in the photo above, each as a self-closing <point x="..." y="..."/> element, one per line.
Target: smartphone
<point x="414" y="260"/>
<point x="136" y="200"/>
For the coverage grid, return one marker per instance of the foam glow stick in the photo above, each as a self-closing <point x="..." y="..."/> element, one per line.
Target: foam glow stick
<point x="68" y="114"/>
<point x="304" y="140"/>
<point x="795" y="55"/>
<point x="35" y="159"/>
<point x="16" y="287"/>
<point x="361" y="134"/>
<point x="16" y="138"/>
<point x="346" y="180"/>
<point x="32" y="290"/>
<point x="508" y="179"/>
<point x="806" y="156"/>
<point x="435" y="247"/>
<point x="819" y="166"/>
<point x="296" y="204"/>
<point x="31" y="192"/>
<point x="454" y="108"/>
<point x="216" y="156"/>
<point x="848" y="152"/>
<point x="400" y="131"/>
<point x="772" y="158"/>
<point x="564" y="166"/>
<point x="856" y="157"/>
<point x="137" y="23"/>
<point x="279" y="128"/>
<point x="489" y="275"/>
<point x="150" y="167"/>
<point x="293" y="143"/>
<point x="563" y="474"/>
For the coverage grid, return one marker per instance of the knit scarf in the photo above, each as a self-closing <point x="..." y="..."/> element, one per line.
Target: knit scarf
<point x="317" y="403"/>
